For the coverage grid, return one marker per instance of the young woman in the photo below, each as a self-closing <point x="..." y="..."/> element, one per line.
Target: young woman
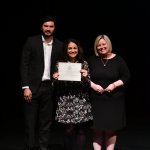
<point x="73" y="107"/>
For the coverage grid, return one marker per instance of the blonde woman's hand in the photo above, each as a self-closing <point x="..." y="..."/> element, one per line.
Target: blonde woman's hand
<point x="97" y="88"/>
<point x="110" y="88"/>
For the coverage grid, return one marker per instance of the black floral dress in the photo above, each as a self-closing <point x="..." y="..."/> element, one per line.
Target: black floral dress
<point x="73" y="103"/>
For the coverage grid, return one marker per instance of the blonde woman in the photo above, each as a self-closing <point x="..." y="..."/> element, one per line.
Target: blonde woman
<point x="109" y="75"/>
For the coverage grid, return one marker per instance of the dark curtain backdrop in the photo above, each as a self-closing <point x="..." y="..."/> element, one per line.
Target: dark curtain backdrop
<point x="126" y="23"/>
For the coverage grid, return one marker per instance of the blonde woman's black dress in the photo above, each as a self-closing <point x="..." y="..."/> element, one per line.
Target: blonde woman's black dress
<point x="108" y="108"/>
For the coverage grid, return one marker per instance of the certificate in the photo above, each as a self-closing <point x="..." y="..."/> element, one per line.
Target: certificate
<point x="69" y="71"/>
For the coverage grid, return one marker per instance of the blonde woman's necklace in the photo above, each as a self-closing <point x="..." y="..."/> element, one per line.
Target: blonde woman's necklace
<point x="104" y="61"/>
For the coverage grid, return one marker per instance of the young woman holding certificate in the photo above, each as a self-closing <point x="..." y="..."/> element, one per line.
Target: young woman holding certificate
<point x="73" y="105"/>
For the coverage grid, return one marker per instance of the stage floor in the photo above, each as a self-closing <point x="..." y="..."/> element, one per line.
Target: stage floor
<point x="136" y="136"/>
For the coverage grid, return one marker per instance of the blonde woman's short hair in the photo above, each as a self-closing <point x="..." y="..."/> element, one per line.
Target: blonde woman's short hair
<point x="107" y="39"/>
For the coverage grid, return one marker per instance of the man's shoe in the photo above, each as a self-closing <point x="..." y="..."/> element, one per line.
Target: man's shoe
<point x="30" y="148"/>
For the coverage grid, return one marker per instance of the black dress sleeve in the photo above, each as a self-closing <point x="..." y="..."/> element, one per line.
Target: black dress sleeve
<point x="86" y="80"/>
<point x="123" y="70"/>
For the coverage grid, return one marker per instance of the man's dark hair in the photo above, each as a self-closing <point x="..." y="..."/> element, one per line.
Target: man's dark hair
<point x="47" y="18"/>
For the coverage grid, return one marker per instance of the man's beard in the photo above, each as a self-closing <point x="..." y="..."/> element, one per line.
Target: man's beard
<point x="47" y="35"/>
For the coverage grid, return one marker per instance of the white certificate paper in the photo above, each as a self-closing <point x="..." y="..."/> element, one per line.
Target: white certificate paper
<point x="69" y="71"/>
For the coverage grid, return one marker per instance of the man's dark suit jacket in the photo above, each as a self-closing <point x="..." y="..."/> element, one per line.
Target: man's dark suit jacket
<point x="32" y="61"/>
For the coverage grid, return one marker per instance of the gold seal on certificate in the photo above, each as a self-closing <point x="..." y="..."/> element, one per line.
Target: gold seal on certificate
<point x="69" y="71"/>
